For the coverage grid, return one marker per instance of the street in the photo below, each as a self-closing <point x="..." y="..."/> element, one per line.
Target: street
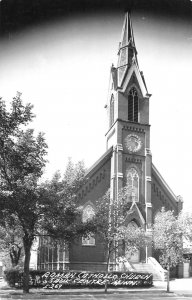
<point x="114" y="296"/>
<point x="180" y="289"/>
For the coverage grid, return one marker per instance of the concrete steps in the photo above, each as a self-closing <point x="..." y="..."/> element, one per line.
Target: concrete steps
<point x="152" y="266"/>
<point x="148" y="268"/>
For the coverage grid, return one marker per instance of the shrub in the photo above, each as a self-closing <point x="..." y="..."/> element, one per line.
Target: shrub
<point x="12" y="276"/>
<point x="72" y="279"/>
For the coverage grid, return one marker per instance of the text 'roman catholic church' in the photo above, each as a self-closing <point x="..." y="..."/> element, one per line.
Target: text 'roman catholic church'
<point x="127" y="162"/>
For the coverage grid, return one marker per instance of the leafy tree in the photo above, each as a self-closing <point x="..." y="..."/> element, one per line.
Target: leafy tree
<point x="61" y="219"/>
<point x="11" y="244"/>
<point x="50" y="208"/>
<point x="185" y="220"/>
<point x="168" y="239"/>
<point x="22" y="159"/>
<point x="109" y="225"/>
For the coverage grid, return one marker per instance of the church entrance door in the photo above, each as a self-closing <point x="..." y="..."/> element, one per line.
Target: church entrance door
<point x="132" y="257"/>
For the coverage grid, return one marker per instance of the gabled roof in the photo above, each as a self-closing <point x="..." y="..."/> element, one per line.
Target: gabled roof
<point x="135" y="69"/>
<point x="134" y="213"/>
<point x="101" y="161"/>
<point x="163" y="184"/>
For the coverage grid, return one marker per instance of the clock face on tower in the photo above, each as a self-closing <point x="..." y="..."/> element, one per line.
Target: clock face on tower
<point x="133" y="143"/>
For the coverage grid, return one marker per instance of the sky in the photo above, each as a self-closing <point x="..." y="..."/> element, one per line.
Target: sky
<point x="62" y="67"/>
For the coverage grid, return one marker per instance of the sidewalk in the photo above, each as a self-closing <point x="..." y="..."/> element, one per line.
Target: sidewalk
<point x="182" y="287"/>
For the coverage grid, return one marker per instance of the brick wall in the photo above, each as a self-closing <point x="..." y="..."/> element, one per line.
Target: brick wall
<point x="91" y="257"/>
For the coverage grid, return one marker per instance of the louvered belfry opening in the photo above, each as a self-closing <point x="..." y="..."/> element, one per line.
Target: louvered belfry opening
<point x="133" y="105"/>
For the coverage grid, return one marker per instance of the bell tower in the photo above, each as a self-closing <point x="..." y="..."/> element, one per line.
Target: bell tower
<point x="129" y="130"/>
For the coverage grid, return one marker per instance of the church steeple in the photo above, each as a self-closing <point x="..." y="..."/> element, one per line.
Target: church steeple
<point x="128" y="98"/>
<point x="127" y="50"/>
<point x="128" y="133"/>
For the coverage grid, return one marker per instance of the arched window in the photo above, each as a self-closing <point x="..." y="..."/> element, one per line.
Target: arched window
<point x="133" y="185"/>
<point x="88" y="214"/>
<point x="133" y="105"/>
<point x="111" y="111"/>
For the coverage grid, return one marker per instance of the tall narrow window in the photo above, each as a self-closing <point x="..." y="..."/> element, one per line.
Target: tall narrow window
<point x="111" y="111"/>
<point x="88" y="214"/>
<point x="133" y="105"/>
<point x="133" y="185"/>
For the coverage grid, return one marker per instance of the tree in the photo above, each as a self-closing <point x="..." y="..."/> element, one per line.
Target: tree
<point x="109" y="222"/>
<point x="11" y="244"/>
<point x="50" y="208"/>
<point x="22" y="159"/>
<point x="168" y="239"/>
<point x="61" y="219"/>
<point x="185" y="220"/>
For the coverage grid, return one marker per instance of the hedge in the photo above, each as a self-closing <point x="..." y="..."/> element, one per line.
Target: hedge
<point x="73" y="279"/>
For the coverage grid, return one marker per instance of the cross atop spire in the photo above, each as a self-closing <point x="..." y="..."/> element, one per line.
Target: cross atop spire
<point x="127" y="50"/>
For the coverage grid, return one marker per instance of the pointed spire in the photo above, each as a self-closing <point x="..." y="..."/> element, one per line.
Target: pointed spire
<point x="127" y="50"/>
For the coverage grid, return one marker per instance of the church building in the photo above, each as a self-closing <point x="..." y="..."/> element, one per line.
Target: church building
<point x="126" y="162"/>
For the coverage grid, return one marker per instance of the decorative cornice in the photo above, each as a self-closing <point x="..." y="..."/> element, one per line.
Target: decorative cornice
<point x="134" y="160"/>
<point x="132" y="128"/>
<point x="91" y="184"/>
<point x="165" y="200"/>
<point x="163" y="182"/>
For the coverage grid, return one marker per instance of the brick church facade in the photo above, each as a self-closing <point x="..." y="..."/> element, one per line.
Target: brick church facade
<point x="127" y="161"/>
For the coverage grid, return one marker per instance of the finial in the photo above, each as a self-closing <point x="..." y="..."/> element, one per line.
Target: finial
<point x="129" y="6"/>
<point x="180" y="198"/>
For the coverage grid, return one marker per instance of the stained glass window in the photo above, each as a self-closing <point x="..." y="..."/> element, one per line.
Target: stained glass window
<point x="88" y="214"/>
<point x="133" y="185"/>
